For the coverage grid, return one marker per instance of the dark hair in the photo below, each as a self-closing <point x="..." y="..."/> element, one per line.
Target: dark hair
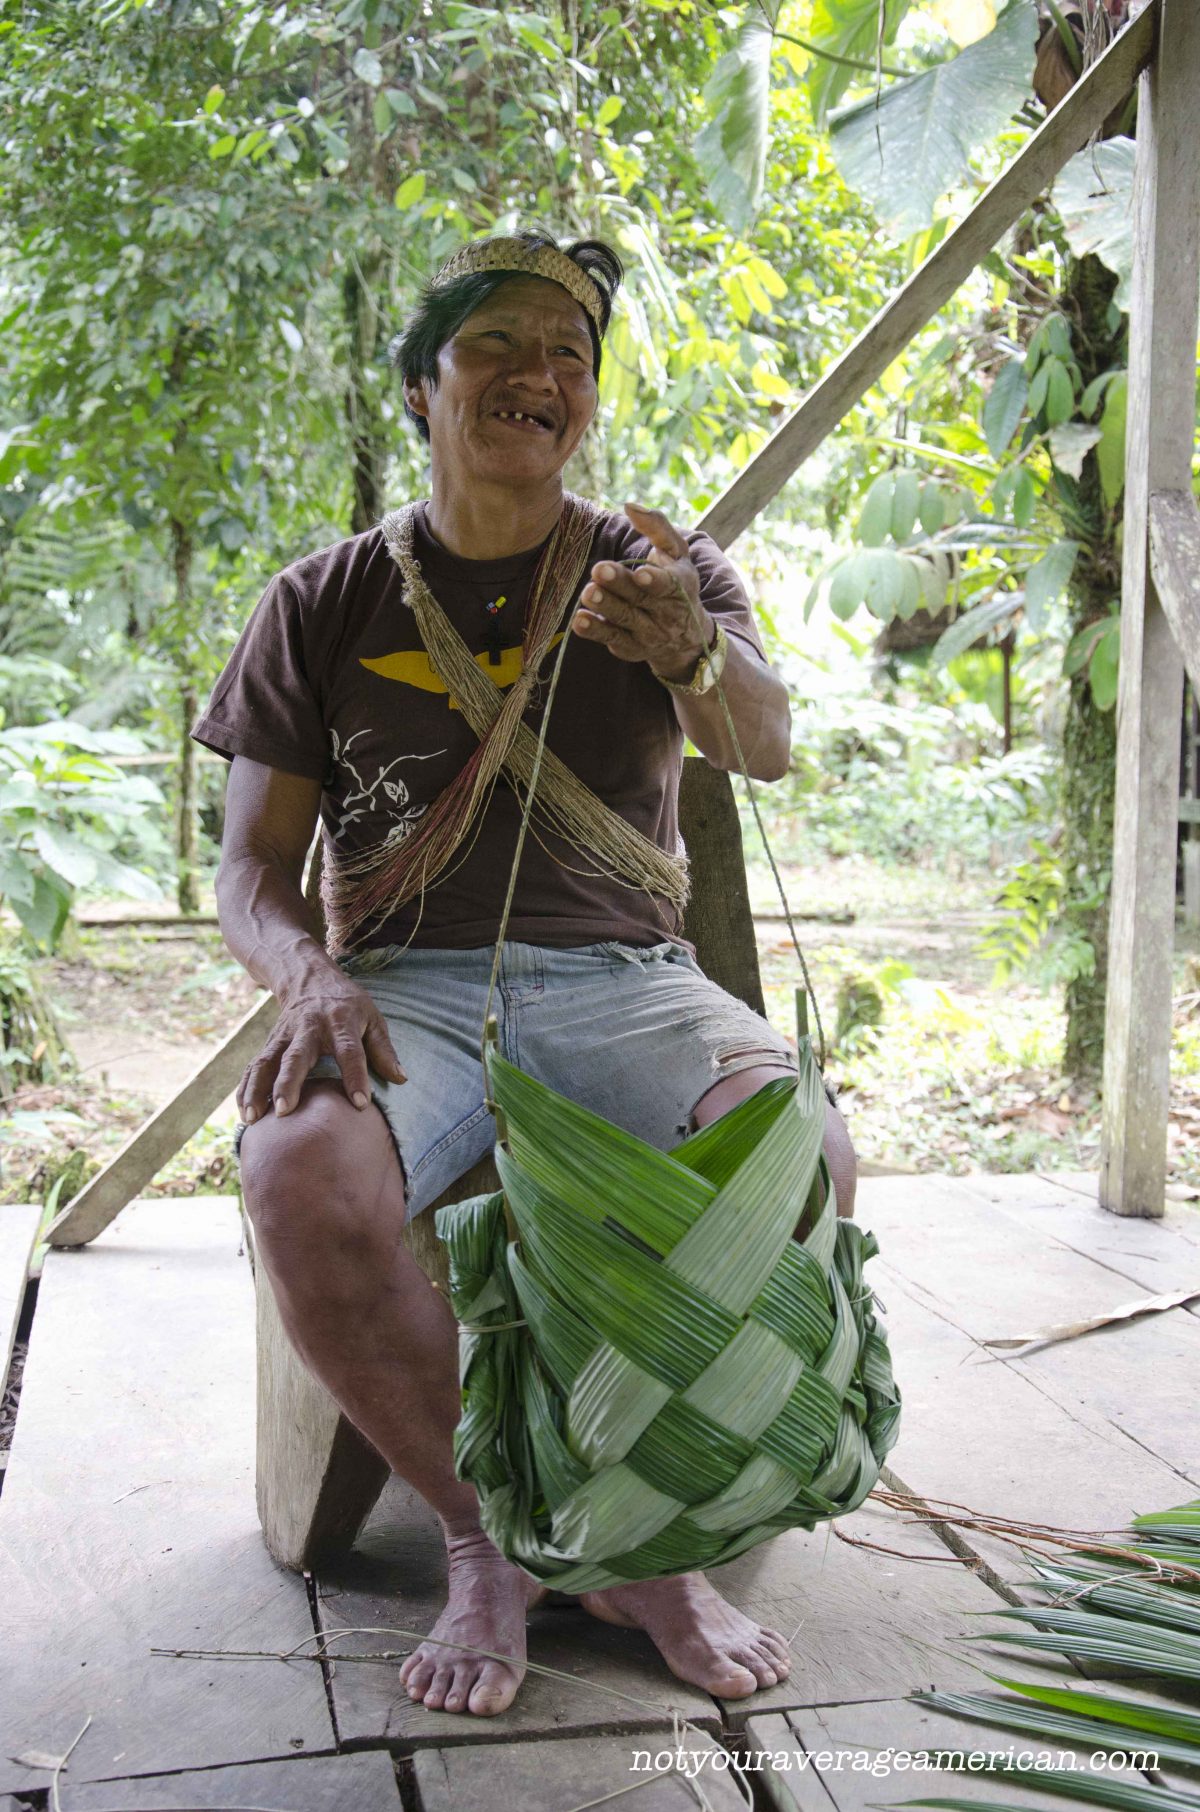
<point x="441" y="312"/>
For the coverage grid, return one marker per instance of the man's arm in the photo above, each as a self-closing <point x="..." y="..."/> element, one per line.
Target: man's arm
<point x="270" y="817"/>
<point x="654" y="614"/>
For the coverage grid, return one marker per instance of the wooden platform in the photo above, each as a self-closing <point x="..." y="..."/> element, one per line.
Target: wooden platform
<point x="128" y="1538"/>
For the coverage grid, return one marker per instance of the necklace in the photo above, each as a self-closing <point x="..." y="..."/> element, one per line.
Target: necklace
<point x="492" y="631"/>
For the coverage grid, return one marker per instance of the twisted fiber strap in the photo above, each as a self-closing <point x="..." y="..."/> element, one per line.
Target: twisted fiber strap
<point x="657" y="1375"/>
<point x="375" y="883"/>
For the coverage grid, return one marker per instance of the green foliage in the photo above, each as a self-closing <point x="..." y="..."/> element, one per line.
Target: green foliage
<point x="1097" y="648"/>
<point x="64" y="812"/>
<point x="853" y="31"/>
<point x="911" y="775"/>
<point x="1032" y="934"/>
<point x="1093" y="194"/>
<point x="30" y="1042"/>
<point x="905" y="149"/>
<point x="732" y="148"/>
<point x="1004" y="405"/>
<point x="861" y="1001"/>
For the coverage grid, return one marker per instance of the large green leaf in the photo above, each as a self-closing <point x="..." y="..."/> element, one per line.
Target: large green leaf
<point x="1139" y="1620"/>
<point x="848" y="29"/>
<point x="906" y="152"/>
<point x="1047" y="577"/>
<point x="46" y="913"/>
<point x="1094" y="194"/>
<point x="1005" y="402"/>
<point x="974" y="624"/>
<point x="70" y="859"/>
<point x="731" y="149"/>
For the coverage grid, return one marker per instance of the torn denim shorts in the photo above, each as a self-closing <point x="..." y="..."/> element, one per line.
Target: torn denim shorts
<point x="639" y="1035"/>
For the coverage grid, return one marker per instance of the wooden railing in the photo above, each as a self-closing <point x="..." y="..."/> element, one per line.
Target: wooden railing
<point x="1161" y="599"/>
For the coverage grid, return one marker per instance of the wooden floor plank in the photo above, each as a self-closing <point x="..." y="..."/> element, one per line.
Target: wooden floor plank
<point x="1156" y="1255"/>
<point x="1182" y="1218"/>
<point x="1024" y="1459"/>
<point x="316" y="1783"/>
<point x="821" y="1759"/>
<point x="555" y="1776"/>
<point x="127" y="1521"/>
<point x="863" y="1624"/>
<point x="989" y="1438"/>
<point x="396" y="1579"/>
<point x="988" y="1274"/>
<point x="18" y="1230"/>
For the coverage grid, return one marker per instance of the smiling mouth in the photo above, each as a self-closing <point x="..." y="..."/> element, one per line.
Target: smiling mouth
<point x="530" y="424"/>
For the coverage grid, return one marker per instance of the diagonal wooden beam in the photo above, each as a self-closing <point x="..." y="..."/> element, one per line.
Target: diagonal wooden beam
<point x="1060" y="135"/>
<point x="154" y="1143"/>
<point x="1175" y="567"/>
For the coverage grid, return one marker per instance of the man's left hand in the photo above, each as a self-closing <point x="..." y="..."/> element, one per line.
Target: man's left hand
<point x="654" y="613"/>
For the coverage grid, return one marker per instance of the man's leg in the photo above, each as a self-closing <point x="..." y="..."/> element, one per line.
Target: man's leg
<point x="701" y="1636"/>
<point x="324" y="1191"/>
<point x="839" y="1152"/>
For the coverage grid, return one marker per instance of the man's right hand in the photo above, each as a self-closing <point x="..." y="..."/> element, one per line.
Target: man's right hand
<point x="329" y="1018"/>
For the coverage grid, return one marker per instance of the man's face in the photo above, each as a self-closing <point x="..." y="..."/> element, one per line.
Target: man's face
<point x="525" y="350"/>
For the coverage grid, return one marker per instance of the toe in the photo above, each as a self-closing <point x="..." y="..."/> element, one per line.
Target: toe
<point x="459" y="1690"/>
<point x="435" y="1698"/>
<point x="760" y="1663"/>
<point x="416" y="1675"/>
<point x="494" y="1691"/>
<point x="766" y="1671"/>
<point x="734" y="1681"/>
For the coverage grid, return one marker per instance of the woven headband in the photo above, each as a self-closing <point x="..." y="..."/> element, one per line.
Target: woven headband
<point x="538" y="261"/>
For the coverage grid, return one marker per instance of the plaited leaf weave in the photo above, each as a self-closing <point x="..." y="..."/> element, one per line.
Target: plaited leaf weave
<point x="656" y="1375"/>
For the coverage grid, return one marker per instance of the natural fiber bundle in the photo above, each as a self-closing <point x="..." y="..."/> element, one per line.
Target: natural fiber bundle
<point x="656" y="1375"/>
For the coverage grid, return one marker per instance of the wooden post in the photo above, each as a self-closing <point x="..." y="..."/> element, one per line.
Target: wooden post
<point x="1161" y="431"/>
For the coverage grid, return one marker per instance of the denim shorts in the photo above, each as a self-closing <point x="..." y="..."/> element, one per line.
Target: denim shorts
<point x="639" y="1035"/>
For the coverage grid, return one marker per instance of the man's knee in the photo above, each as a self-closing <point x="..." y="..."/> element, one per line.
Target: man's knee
<point x="314" y="1174"/>
<point x="839" y="1152"/>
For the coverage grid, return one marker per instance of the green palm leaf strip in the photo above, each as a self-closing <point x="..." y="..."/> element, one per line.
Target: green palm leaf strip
<point x="1147" y="1646"/>
<point x="1093" y="1790"/>
<point x="656" y="1374"/>
<point x="1143" y="1621"/>
<point x="1099" y="1729"/>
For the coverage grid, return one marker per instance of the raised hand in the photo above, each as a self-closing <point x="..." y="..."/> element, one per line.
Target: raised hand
<point x="653" y="613"/>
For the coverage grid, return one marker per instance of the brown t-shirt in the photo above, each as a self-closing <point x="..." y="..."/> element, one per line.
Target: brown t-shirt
<point x="330" y="680"/>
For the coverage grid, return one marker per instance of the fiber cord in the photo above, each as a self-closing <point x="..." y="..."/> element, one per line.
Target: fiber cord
<point x="527" y="810"/>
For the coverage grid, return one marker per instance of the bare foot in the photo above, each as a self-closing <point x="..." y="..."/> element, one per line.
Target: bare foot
<point x="702" y="1639"/>
<point x="485" y="1609"/>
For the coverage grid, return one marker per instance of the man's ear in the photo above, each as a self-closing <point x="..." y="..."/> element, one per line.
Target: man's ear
<point x="415" y="397"/>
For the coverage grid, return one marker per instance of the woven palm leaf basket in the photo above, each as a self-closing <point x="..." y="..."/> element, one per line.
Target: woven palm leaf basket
<point x="656" y="1374"/>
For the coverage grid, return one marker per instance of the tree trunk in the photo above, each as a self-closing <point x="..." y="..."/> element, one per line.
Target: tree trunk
<point x="368" y="433"/>
<point x="187" y="886"/>
<point x="1089" y="734"/>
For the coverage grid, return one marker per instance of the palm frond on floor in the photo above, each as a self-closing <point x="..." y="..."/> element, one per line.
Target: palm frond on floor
<point x="1108" y="1612"/>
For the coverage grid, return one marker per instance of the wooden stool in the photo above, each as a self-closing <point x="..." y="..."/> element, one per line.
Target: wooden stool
<point x="317" y="1478"/>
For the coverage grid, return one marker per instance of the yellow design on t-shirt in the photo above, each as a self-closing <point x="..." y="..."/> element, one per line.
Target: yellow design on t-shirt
<point x="412" y="667"/>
